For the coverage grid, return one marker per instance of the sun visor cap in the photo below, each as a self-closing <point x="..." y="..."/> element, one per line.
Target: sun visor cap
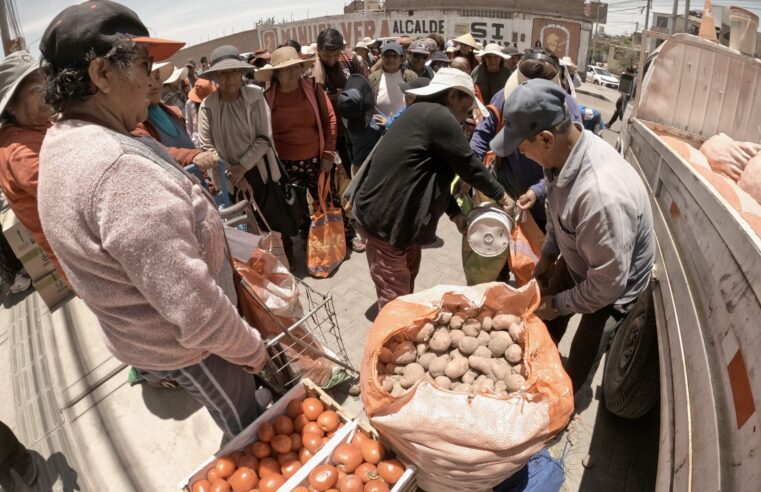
<point x="96" y="26"/>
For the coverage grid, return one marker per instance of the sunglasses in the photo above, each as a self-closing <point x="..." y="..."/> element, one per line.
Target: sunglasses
<point x="420" y="55"/>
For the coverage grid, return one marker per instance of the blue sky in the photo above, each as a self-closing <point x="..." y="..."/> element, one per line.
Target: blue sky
<point x="196" y="20"/>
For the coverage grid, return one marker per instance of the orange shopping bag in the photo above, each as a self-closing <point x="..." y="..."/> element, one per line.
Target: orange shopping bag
<point x="525" y="248"/>
<point x="326" y="245"/>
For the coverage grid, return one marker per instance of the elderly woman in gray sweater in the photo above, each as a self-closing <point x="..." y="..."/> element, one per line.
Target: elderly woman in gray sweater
<point x="139" y="239"/>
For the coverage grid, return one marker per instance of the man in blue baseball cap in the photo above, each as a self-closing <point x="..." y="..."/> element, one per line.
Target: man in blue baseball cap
<point x="598" y="254"/>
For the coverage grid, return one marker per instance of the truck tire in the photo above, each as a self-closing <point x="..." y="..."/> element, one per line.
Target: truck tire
<point x="631" y="379"/>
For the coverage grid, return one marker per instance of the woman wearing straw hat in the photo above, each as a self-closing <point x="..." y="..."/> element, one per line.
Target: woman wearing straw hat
<point x="303" y="123"/>
<point x="465" y="46"/>
<point x="406" y="185"/>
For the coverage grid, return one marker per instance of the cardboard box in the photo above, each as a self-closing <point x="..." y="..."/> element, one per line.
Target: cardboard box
<point x="53" y="289"/>
<point x="37" y="263"/>
<point x="17" y="234"/>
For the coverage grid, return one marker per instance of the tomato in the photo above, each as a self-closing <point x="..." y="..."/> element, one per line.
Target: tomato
<point x="284" y="425"/>
<point x="299" y="422"/>
<point x="300" y="488"/>
<point x="281" y="444"/>
<point x="243" y="480"/>
<point x="304" y="455"/>
<point x="212" y="474"/>
<point x="372" y="451"/>
<point x="249" y="462"/>
<point x="295" y="441"/>
<point x="269" y="466"/>
<point x="347" y="457"/>
<point x="350" y="483"/>
<point x="328" y="421"/>
<point x="261" y="449"/>
<point x="312" y="442"/>
<point x="293" y="409"/>
<point x="366" y="472"/>
<point x="359" y="438"/>
<point x="271" y="483"/>
<point x="390" y="471"/>
<point x="290" y="468"/>
<point x="225" y="466"/>
<point x="323" y="477"/>
<point x="201" y="486"/>
<point x="314" y="428"/>
<point x="312" y="408"/>
<point x="220" y="485"/>
<point x="377" y="485"/>
<point x="287" y="458"/>
<point x="266" y="432"/>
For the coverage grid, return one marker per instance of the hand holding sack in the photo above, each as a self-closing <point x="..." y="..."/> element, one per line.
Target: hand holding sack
<point x="326" y="245"/>
<point x="471" y="440"/>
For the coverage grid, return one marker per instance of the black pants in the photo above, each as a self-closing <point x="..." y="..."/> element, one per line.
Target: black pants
<point x="9" y="264"/>
<point x="12" y="453"/>
<point x="304" y="175"/>
<point x="620" y="108"/>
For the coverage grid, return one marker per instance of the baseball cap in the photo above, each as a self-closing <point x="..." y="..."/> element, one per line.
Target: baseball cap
<point x="533" y="107"/>
<point x="97" y="25"/>
<point x="419" y="47"/>
<point x="414" y="84"/>
<point x="392" y="46"/>
<point x="440" y="56"/>
<point x="450" y="78"/>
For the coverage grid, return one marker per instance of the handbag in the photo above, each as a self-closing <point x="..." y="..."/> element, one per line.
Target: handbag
<point x="277" y="201"/>
<point x="272" y="240"/>
<point x="326" y="244"/>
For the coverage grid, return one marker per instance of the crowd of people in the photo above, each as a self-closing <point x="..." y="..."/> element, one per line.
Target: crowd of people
<point x="96" y="138"/>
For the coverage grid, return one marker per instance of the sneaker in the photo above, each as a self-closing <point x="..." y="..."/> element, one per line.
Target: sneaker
<point x="358" y="245"/>
<point x="21" y="283"/>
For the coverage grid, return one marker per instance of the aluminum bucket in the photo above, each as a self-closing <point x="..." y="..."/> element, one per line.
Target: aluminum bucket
<point x="489" y="230"/>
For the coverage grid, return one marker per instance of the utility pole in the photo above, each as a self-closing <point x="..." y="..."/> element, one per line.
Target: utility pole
<point x="4" y="31"/>
<point x="674" y="14"/>
<point x="647" y="14"/>
<point x="686" y="15"/>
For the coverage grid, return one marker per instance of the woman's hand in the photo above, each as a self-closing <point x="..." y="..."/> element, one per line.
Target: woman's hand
<point x="507" y="204"/>
<point x="236" y="174"/>
<point x="527" y="200"/>
<point x="380" y="120"/>
<point x="205" y="160"/>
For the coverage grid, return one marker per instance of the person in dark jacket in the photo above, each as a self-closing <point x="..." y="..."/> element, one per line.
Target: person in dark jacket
<point x="406" y="186"/>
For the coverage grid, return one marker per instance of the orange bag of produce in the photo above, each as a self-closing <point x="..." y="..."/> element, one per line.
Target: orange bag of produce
<point x="459" y="441"/>
<point x="525" y="249"/>
<point x="326" y="245"/>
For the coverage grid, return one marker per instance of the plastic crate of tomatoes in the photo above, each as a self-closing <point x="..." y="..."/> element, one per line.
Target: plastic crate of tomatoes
<point x="282" y="441"/>
<point x="357" y="462"/>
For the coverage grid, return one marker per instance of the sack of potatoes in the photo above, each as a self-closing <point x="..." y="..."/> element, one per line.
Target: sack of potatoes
<point x="466" y="382"/>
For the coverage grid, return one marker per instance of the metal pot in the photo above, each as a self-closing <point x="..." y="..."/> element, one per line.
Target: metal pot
<point x="489" y="230"/>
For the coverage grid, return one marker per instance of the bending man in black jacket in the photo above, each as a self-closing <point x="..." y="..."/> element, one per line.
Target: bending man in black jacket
<point x="406" y="188"/>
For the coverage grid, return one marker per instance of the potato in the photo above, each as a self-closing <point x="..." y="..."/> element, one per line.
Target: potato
<point x="397" y="390"/>
<point x="405" y="353"/>
<point x="456" y="354"/>
<point x="500" y="385"/>
<point x="503" y="321"/>
<point x="422" y="348"/>
<point x="390" y="368"/>
<point x="456" y="368"/>
<point x="519" y="369"/>
<point x="399" y="370"/>
<point x="483" y="338"/>
<point x="440" y="341"/>
<point x="481" y="365"/>
<point x="443" y="318"/>
<point x="457" y="321"/>
<point x="469" y="377"/>
<point x="461" y="388"/>
<point x="517" y="331"/>
<point x="514" y="382"/>
<point x="514" y="354"/>
<point x="499" y="343"/>
<point x="412" y="374"/>
<point x="392" y="345"/>
<point x="499" y="368"/>
<point x="438" y="365"/>
<point x="471" y="313"/>
<point x="384" y="355"/>
<point x="424" y="334"/>
<point x="443" y="382"/>
<point x="387" y="383"/>
<point x="485" y="386"/>
<point x="455" y="335"/>
<point x="426" y="359"/>
<point x="482" y="351"/>
<point x="485" y="318"/>
<point x="471" y="328"/>
<point x="467" y="345"/>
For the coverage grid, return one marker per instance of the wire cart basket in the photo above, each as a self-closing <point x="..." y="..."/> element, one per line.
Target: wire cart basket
<point x="315" y="334"/>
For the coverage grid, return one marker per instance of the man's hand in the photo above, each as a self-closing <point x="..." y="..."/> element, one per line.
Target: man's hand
<point x="527" y="200"/>
<point x="236" y="174"/>
<point x="327" y="165"/>
<point x="380" y="120"/>
<point x="546" y="309"/>
<point x="461" y="221"/>
<point x="543" y="269"/>
<point x="205" y="160"/>
<point x="507" y="204"/>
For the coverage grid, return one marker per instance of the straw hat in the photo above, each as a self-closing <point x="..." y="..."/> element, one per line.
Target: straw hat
<point x="360" y="45"/>
<point x="14" y="68"/>
<point x="281" y="58"/>
<point x="165" y="70"/>
<point x="225" y="57"/>
<point x="468" y="40"/>
<point x="494" y="49"/>
<point x="369" y="41"/>
<point x="201" y="89"/>
<point x="177" y="74"/>
<point x="450" y="78"/>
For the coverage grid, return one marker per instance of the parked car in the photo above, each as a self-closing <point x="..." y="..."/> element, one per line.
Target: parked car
<point x="601" y="76"/>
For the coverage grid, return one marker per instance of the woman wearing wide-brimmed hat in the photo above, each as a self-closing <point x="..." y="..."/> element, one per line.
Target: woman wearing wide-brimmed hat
<point x="303" y="123"/>
<point x="465" y="46"/>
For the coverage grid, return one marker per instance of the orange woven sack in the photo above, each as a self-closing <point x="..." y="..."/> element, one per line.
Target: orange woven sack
<point x="461" y="442"/>
<point x="525" y="249"/>
<point x="326" y="245"/>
